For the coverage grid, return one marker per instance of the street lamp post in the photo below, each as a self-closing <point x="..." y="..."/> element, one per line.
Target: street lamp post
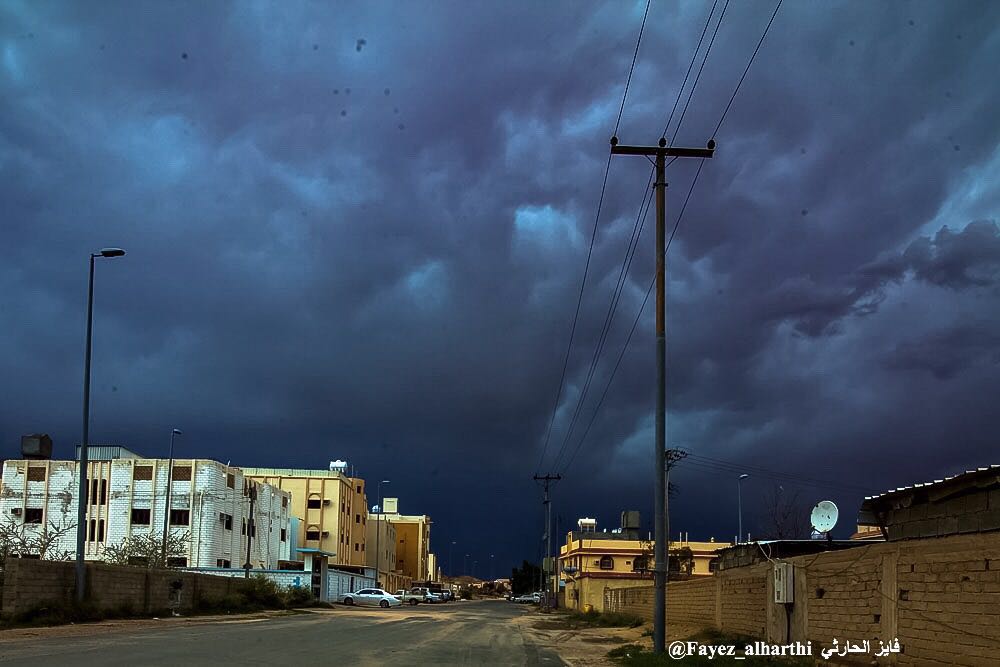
<point x="81" y="514"/>
<point x="739" y="501"/>
<point x="492" y="571"/>
<point x="451" y="569"/>
<point x="378" y="532"/>
<point x="166" y="506"/>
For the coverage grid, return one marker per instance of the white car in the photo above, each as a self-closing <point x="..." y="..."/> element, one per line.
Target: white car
<point x="374" y="597"/>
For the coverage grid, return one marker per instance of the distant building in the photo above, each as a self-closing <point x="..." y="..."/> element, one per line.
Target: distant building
<point x="381" y="537"/>
<point x="590" y="561"/>
<point x="432" y="568"/>
<point x="209" y="504"/>
<point x="413" y="540"/>
<point x="332" y="507"/>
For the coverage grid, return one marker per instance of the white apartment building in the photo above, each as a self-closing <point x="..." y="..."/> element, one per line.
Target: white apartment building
<point x="209" y="504"/>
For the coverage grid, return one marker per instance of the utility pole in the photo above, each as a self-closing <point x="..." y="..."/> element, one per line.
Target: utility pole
<point x="660" y="153"/>
<point x="252" y="491"/>
<point x="166" y="505"/>
<point x="546" y="480"/>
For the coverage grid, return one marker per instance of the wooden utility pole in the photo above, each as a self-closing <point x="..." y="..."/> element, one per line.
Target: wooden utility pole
<point x="546" y="480"/>
<point x="660" y="153"/>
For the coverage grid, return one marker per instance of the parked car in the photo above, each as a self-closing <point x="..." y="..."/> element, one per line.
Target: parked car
<point x="428" y="596"/>
<point x="406" y="597"/>
<point x="374" y="597"/>
<point x="526" y="599"/>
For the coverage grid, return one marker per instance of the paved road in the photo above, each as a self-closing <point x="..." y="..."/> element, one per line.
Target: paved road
<point x="458" y="633"/>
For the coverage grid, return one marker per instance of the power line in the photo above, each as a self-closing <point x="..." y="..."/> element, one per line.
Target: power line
<point x="745" y="71"/>
<point x="694" y="56"/>
<point x="683" y="208"/>
<point x="635" y="322"/>
<point x="701" y="69"/>
<point x="590" y="251"/>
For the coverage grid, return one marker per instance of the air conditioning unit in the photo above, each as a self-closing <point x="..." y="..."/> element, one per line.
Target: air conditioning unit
<point x="784" y="583"/>
<point x="16" y="511"/>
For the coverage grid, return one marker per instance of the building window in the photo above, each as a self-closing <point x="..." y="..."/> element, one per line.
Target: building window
<point x="607" y="563"/>
<point x="104" y="492"/>
<point x="36" y="474"/>
<point x="284" y="502"/>
<point x="357" y="518"/>
<point x="92" y="532"/>
<point x="177" y="561"/>
<point x="100" y="530"/>
<point x="314" y="503"/>
<point x="142" y="473"/>
<point x="359" y="488"/>
<point x="140" y="517"/>
<point x="640" y="564"/>
<point x="284" y="535"/>
<point x="226" y="520"/>
<point x="231" y="480"/>
<point x="182" y="474"/>
<point x="312" y="535"/>
<point x="92" y="484"/>
<point x="33" y="514"/>
<point x="713" y="565"/>
<point x="180" y="517"/>
<point x="357" y="547"/>
<point x="221" y="562"/>
<point x="243" y="528"/>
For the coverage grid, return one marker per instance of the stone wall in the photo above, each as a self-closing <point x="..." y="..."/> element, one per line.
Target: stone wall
<point x="29" y="584"/>
<point x="939" y="597"/>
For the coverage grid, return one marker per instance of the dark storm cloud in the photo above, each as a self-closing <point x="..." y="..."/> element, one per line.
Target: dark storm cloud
<point x="359" y="231"/>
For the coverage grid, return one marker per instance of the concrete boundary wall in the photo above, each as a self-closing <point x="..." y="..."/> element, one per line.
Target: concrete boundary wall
<point x="29" y="584"/>
<point x="940" y="597"/>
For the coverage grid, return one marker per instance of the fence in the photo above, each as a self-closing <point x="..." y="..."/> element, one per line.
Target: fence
<point x="940" y="597"/>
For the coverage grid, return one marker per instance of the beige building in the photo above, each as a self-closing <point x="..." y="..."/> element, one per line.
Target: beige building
<point x="591" y="561"/>
<point x="381" y="537"/>
<point x="331" y="506"/>
<point x="413" y="539"/>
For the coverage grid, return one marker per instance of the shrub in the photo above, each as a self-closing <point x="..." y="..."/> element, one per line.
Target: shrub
<point x="299" y="596"/>
<point x="261" y="592"/>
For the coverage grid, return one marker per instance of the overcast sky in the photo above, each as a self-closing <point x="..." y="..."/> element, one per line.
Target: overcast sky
<point x="358" y="231"/>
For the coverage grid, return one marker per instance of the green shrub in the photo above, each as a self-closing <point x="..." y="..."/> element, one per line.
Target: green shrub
<point x="299" y="596"/>
<point x="261" y="592"/>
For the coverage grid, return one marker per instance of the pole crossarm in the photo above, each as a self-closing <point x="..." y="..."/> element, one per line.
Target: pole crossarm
<point x="665" y="151"/>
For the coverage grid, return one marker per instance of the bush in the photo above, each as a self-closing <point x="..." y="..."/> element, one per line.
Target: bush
<point x="299" y="596"/>
<point x="261" y="592"/>
<point x="596" y="619"/>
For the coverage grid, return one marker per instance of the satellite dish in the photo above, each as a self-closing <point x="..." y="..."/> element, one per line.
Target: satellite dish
<point x="824" y="516"/>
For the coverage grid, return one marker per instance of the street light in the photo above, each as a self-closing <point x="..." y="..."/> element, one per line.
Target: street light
<point x="739" y="500"/>
<point x="166" y="506"/>
<point x="378" y="532"/>
<point x="492" y="571"/>
<point x="81" y="514"/>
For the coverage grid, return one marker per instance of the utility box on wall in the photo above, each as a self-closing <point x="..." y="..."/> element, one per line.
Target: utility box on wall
<point x="784" y="583"/>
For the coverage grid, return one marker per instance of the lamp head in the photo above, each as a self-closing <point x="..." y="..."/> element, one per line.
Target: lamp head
<point x="744" y="476"/>
<point x="112" y="252"/>
<point x="177" y="431"/>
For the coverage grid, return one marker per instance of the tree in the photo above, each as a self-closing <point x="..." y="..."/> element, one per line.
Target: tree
<point x="19" y="541"/>
<point x="146" y="549"/>
<point x="786" y="516"/>
<point x="524" y="579"/>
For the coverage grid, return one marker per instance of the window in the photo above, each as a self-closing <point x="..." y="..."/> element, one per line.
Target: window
<point x="357" y="547"/>
<point x="359" y="488"/>
<point x="180" y="517"/>
<point x="312" y="535"/>
<point x="33" y="514"/>
<point x="182" y="474"/>
<point x="231" y="480"/>
<point x="284" y="535"/>
<point x="100" y="530"/>
<point x="713" y="565"/>
<point x="104" y="492"/>
<point x="142" y="473"/>
<point x="243" y="528"/>
<point x="357" y="518"/>
<point x="36" y="474"/>
<point x="226" y="520"/>
<point x="93" y="491"/>
<point x="284" y="502"/>
<point x="140" y="517"/>
<point x="607" y="563"/>
<point x="92" y="530"/>
<point x="314" y="503"/>
<point x="640" y="564"/>
<point x="223" y="563"/>
<point x="177" y="561"/>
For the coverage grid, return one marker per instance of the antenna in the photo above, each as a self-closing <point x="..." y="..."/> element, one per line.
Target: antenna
<point x="824" y="516"/>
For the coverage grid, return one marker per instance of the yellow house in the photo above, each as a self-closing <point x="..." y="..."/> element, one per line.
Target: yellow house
<point x="381" y="536"/>
<point x="591" y="561"/>
<point x="413" y="540"/>
<point x="332" y="508"/>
